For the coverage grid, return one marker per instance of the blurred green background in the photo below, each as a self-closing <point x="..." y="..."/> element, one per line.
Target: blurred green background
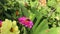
<point x="46" y="18"/>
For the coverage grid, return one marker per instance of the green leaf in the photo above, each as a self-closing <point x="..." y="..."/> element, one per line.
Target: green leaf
<point x="52" y="31"/>
<point x="32" y="16"/>
<point x="25" y="32"/>
<point x="24" y="11"/>
<point x="41" y="27"/>
<point x="8" y="15"/>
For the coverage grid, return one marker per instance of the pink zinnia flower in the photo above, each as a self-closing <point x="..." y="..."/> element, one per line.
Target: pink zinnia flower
<point x="26" y="22"/>
<point x="0" y="23"/>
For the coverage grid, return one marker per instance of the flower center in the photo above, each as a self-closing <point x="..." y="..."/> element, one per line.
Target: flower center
<point x="12" y="29"/>
<point x="27" y="20"/>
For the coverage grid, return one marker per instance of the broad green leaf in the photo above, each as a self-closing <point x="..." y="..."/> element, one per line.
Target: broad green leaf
<point x="37" y="22"/>
<point x="32" y="16"/>
<point x="25" y="31"/>
<point x="41" y="27"/>
<point x="24" y="11"/>
<point x="52" y="31"/>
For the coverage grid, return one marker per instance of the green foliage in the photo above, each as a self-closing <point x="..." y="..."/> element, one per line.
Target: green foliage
<point x="46" y="18"/>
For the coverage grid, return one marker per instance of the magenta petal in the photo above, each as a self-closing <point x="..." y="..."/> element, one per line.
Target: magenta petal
<point x="22" y="19"/>
<point x="0" y="23"/>
<point x="30" y="26"/>
<point x="26" y="22"/>
<point x="26" y="25"/>
<point x="31" y="22"/>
